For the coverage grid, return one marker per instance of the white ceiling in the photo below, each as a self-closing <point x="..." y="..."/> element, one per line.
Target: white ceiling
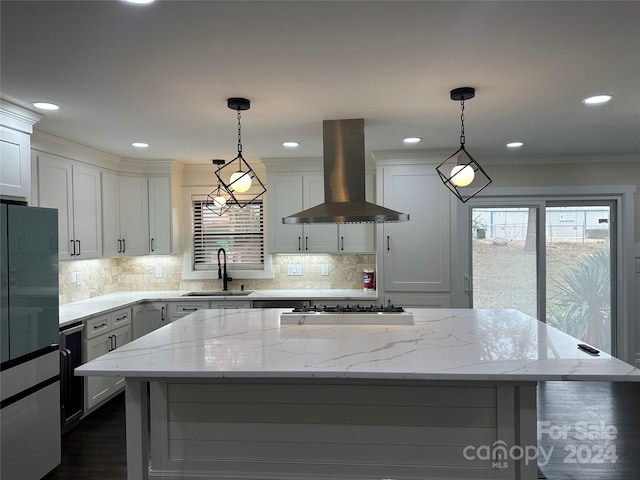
<point x="162" y="73"/>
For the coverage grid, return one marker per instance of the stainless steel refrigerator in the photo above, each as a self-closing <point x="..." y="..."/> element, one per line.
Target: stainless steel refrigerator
<point x="30" y="366"/>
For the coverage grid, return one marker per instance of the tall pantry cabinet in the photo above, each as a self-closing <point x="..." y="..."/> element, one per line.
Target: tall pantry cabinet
<point x="414" y="256"/>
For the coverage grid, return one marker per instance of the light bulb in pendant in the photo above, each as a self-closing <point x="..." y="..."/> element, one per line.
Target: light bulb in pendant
<point x="462" y="175"/>
<point x="240" y="181"/>
<point x="219" y="201"/>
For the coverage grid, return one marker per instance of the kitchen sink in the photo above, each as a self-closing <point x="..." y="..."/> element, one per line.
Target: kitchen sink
<point x="219" y="293"/>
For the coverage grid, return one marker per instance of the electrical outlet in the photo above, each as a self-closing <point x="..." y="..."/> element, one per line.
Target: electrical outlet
<point x="325" y="269"/>
<point x="74" y="277"/>
<point x="294" y="269"/>
<point x="159" y="272"/>
<point x="78" y="278"/>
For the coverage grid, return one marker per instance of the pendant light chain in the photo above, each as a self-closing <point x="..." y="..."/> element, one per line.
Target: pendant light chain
<point x="462" y="138"/>
<point x="239" y="135"/>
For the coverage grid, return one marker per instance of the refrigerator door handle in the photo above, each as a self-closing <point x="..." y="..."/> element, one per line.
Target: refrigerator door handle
<point x="64" y="376"/>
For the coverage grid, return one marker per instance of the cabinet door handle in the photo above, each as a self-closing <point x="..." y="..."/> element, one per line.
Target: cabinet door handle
<point x="115" y="340"/>
<point x="341" y="243"/>
<point x="162" y="314"/>
<point x="467" y="284"/>
<point x="73" y="244"/>
<point x="124" y="246"/>
<point x="119" y="245"/>
<point x="306" y="243"/>
<point x="152" y="249"/>
<point x="388" y="243"/>
<point x="79" y="250"/>
<point x="299" y="247"/>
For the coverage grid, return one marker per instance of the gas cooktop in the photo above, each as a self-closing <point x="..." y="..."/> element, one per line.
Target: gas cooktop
<point x="347" y="315"/>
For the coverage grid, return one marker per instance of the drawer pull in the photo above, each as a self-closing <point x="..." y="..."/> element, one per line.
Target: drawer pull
<point x="104" y="324"/>
<point x="189" y="309"/>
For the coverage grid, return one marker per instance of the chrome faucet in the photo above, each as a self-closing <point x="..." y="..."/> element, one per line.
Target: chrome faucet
<point x="222" y="271"/>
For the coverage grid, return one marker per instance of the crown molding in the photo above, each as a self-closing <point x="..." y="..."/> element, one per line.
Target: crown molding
<point x="48" y="143"/>
<point x="17" y="117"/>
<point x="438" y="155"/>
<point x="562" y="159"/>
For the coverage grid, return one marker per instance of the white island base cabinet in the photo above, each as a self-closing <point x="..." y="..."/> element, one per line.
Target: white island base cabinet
<point x="326" y="429"/>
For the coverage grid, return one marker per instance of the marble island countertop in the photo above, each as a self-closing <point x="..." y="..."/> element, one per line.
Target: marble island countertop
<point x="82" y="309"/>
<point x="443" y="344"/>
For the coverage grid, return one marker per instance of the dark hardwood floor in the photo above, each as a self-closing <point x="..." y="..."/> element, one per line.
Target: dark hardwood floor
<point x="608" y="412"/>
<point x="96" y="449"/>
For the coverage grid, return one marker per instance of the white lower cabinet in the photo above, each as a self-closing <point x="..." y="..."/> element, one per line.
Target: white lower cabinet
<point x="104" y="333"/>
<point x="230" y="304"/>
<point x="178" y="310"/>
<point x="149" y="317"/>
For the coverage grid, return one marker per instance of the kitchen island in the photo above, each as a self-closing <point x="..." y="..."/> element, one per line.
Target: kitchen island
<point x="235" y="395"/>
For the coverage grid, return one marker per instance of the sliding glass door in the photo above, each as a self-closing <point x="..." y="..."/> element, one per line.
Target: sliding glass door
<point x="504" y="258"/>
<point x="551" y="260"/>
<point x="580" y="271"/>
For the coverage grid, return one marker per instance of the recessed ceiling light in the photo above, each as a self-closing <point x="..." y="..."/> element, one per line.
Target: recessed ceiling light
<point x="46" y="106"/>
<point x="597" y="99"/>
<point x="139" y="2"/>
<point x="291" y="144"/>
<point x="140" y="145"/>
<point x="412" y="140"/>
<point x="515" y="144"/>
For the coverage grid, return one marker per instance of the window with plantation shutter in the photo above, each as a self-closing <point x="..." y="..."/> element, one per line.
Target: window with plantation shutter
<point x="240" y="231"/>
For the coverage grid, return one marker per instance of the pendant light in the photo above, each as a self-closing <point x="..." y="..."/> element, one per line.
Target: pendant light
<point x="461" y="173"/>
<point x="237" y="177"/>
<point x="218" y="200"/>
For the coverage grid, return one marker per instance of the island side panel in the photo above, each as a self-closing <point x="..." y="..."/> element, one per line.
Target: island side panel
<point x="321" y="429"/>
<point x="137" y="427"/>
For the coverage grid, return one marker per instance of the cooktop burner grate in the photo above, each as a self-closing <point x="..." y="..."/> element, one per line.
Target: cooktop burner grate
<point x="349" y="309"/>
<point x="347" y="315"/>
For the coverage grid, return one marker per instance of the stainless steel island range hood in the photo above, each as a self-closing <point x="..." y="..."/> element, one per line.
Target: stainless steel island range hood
<point x="344" y="180"/>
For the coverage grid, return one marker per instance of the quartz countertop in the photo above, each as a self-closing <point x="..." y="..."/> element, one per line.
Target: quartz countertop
<point x="81" y="310"/>
<point x="443" y="344"/>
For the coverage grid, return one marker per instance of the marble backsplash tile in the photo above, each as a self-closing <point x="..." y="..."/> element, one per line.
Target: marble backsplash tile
<point x="101" y="276"/>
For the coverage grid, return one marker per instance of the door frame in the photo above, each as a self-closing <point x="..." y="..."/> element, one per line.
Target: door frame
<point x="625" y="342"/>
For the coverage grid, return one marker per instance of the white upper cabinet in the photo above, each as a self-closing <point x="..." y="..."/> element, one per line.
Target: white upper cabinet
<point x="358" y="237"/>
<point x="290" y="193"/>
<point x="74" y="188"/>
<point x="415" y="254"/>
<point x="15" y="167"/>
<point x="16" y="126"/>
<point x="125" y="214"/>
<point x="159" y="215"/>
